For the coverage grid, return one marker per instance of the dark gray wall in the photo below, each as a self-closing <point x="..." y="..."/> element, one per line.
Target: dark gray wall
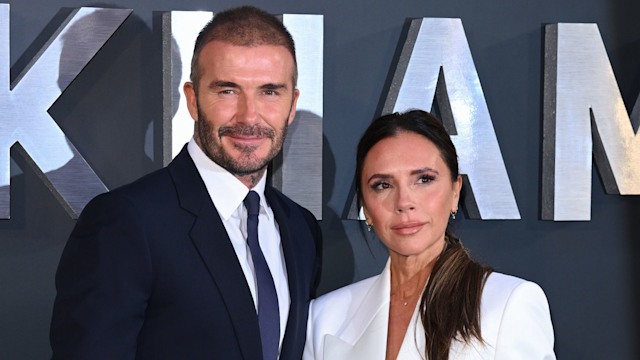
<point x="587" y="269"/>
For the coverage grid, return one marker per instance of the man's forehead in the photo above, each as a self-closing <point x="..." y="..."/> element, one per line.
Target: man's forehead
<point x="231" y="46"/>
<point x="228" y="62"/>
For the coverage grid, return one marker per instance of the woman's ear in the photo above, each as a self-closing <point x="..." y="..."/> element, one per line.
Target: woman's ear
<point x="365" y="213"/>
<point x="457" y="187"/>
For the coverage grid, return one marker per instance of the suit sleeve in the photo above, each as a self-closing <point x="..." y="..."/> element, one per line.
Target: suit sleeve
<point x="317" y="239"/>
<point x="526" y="331"/>
<point x="318" y="267"/>
<point x="103" y="283"/>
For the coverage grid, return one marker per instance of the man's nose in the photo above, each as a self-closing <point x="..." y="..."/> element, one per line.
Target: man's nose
<point x="247" y="109"/>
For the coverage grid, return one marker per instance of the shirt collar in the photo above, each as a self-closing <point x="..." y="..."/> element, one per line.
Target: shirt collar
<point x="225" y="190"/>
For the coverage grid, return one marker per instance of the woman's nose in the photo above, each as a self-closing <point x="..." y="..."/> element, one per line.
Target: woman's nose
<point x="404" y="201"/>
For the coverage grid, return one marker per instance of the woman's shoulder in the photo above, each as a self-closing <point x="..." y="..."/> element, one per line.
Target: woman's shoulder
<point x="515" y="318"/>
<point x="510" y="302"/>
<point x="503" y="287"/>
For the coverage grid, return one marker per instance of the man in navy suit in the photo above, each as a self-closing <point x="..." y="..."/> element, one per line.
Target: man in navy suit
<point x="160" y="268"/>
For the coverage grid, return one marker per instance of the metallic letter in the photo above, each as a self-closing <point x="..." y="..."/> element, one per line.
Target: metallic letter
<point x="24" y="120"/>
<point x="583" y="110"/>
<point x="436" y="64"/>
<point x="302" y="151"/>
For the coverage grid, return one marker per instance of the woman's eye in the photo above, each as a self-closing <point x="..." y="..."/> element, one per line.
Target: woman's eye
<point x="426" y="179"/>
<point x="380" y="186"/>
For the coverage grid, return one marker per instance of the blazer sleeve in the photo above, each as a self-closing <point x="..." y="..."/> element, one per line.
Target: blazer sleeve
<point x="525" y="330"/>
<point x="103" y="283"/>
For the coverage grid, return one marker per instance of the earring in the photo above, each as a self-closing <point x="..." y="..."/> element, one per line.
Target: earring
<point x="369" y="227"/>
<point x="453" y="214"/>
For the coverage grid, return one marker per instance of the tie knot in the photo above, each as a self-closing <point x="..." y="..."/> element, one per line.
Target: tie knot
<point x="252" y="203"/>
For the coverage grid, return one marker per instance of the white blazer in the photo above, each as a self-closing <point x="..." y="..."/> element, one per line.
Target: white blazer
<point x="351" y="323"/>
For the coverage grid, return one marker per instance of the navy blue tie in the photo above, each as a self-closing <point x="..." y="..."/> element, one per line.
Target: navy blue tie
<point x="268" y="311"/>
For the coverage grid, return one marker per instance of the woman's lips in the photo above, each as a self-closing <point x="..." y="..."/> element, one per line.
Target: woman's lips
<point x="408" y="228"/>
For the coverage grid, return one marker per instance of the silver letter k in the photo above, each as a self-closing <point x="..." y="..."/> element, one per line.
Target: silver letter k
<point x="24" y="104"/>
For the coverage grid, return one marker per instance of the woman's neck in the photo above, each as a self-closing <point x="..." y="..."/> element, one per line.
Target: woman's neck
<point x="408" y="278"/>
<point x="412" y="272"/>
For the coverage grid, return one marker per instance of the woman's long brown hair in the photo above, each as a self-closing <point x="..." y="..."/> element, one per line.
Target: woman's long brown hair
<point x="450" y="304"/>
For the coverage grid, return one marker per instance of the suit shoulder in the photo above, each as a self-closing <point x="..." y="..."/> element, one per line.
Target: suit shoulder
<point x="151" y="182"/>
<point x="147" y="188"/>
<point x="153" y="190"/>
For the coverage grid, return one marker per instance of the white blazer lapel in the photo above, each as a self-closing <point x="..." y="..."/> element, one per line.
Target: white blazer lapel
<point x="371" y="345"/>
<point x="364" y="336"/>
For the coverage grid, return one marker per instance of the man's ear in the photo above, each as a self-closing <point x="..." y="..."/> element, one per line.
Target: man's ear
<point x="192" y="100"/>
<point x="294" y="102"/>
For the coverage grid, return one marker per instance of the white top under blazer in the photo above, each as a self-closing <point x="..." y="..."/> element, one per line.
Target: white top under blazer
<point x="351" y="323"/>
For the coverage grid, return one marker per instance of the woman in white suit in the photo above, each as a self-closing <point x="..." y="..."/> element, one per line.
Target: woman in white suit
<point x="431" y="301"/>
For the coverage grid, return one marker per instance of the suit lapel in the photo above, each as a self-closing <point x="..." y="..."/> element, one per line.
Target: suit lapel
<point x="282" y="214"/>
<point x="212" y="243"/>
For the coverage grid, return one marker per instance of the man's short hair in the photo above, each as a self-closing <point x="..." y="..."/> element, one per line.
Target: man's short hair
<point x="243" y="26"/>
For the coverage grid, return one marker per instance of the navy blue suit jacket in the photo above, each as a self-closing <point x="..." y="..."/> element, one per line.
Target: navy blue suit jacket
<point x="150" y="273"/>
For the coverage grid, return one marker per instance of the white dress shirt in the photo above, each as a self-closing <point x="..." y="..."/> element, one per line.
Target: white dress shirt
<point x="227" y="194"/>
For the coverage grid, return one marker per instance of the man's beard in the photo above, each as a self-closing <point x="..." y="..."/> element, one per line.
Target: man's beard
<point x="248" y="163"/>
